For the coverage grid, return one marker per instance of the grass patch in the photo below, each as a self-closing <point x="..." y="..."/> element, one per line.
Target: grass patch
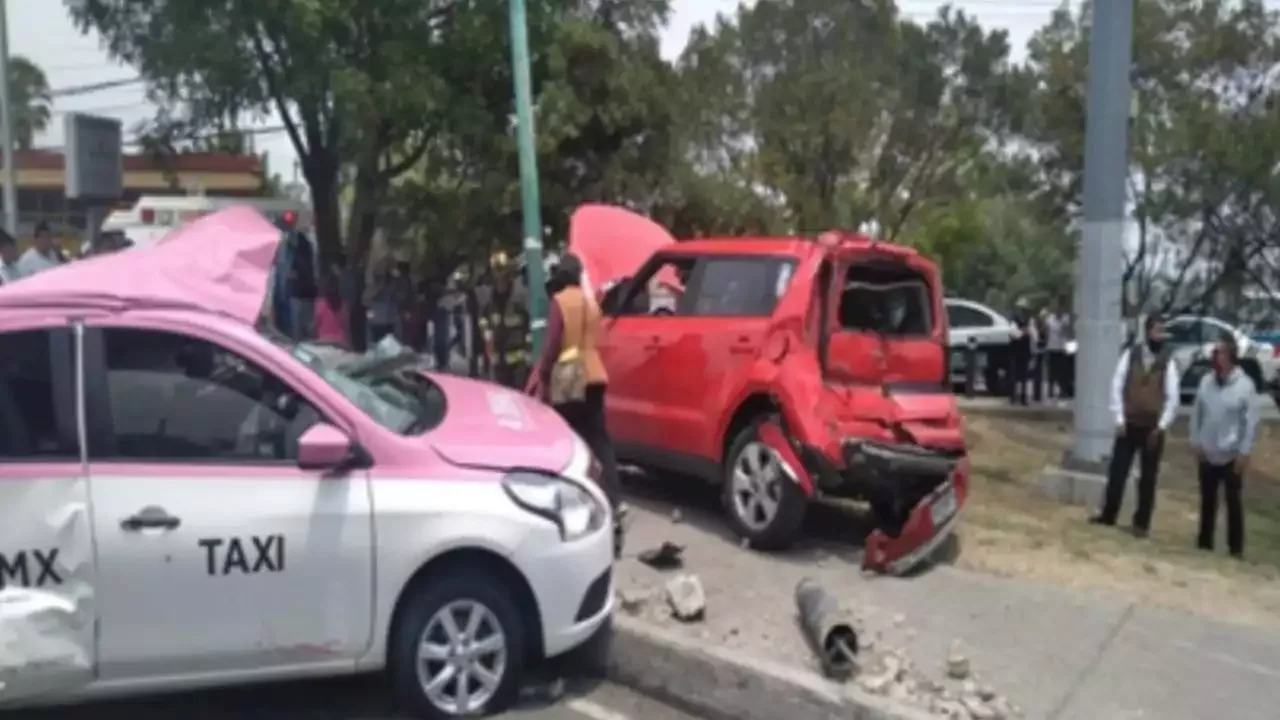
<point x="1009" y="529"/>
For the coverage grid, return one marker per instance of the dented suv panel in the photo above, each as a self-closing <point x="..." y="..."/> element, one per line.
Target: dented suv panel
<point x="839" y="388"/>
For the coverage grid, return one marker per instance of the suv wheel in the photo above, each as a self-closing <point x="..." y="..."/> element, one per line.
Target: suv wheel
<point x="459" y="647"/>
<point x="764" y="505"/>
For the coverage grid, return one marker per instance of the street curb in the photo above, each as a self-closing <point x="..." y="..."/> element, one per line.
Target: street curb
<point x="719" y="685"/>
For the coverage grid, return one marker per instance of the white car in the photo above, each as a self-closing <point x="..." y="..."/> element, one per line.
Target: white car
<point x="974" y="325"/>
<point x="1192" y="337"/>
<point x="188" y="499"/>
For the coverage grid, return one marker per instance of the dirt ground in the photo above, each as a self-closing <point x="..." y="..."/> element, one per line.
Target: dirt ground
<point x="1009" y="530"/>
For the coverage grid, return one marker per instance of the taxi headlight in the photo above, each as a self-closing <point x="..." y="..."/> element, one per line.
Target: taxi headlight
<point x="573" y="509"/>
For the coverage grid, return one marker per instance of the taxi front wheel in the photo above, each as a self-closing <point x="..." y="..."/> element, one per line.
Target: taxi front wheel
<point x="459" y="647"/>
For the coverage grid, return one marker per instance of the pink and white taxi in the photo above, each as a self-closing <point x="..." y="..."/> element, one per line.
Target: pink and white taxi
<point x="189" y="500"/>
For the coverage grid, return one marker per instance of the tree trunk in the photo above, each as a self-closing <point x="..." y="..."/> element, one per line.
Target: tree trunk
<point x="322" y="179"/>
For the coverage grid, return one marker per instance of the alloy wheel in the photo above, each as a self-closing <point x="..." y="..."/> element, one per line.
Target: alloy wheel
<point x="757" y="485"/>
<point x="462" y="657"/>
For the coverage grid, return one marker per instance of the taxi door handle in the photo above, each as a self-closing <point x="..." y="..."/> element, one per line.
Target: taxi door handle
<point x="150" y="518"/>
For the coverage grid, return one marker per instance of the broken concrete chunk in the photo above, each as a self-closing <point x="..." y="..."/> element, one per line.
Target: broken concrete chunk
<point x="876" y="684"/>
<point x="676" y="515"/>
<point x="686" y="597"/>
<point x="632" y="602"/>
<point x="979" y="710"/>
<point x="957" y="663"/>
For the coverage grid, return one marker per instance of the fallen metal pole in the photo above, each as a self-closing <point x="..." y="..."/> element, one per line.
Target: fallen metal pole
<point x="830" y="634"/>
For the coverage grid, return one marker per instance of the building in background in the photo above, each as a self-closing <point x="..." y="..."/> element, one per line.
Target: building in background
<point x="41" y="184"/>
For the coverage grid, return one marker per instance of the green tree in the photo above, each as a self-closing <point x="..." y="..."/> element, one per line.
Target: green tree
<point x="32" y="102"/>
<point x="352" y="82"/>
<point x="1203" y="142"/>
<point x="846" y="111"/>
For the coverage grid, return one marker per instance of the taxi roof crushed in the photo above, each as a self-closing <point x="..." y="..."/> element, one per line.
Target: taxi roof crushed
<point x="220" y="263"/>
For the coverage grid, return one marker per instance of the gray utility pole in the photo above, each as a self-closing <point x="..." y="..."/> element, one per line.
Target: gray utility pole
<point x="1099" y="325"/>
<point x="6" y="133"/>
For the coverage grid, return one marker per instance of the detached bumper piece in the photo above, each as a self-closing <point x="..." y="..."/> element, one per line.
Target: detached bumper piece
<point x="919" y="490"/>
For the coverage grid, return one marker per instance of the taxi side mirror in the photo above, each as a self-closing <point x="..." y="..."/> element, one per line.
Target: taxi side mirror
<point x="324" y="447"/>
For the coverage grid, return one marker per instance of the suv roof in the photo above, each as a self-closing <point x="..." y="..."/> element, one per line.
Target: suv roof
<point x="736" y="245"/>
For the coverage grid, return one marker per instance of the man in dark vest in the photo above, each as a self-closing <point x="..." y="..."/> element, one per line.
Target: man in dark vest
<point x="1144" y="401"/>
<point x="505" y="322"/>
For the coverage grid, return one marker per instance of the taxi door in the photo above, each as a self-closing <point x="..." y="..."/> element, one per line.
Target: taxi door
<point x="48" y="578"/>
<point x="219" y="555"/>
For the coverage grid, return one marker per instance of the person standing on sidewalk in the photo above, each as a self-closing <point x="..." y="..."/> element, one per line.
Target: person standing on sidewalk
<point x="1224" y="422"/>
<point x="8" y="258"/>
<point x="1144" y="401"/>
<point x="303" y="288"/>
<point x="1021" y="342"/>
<point x="1056" y="345"/>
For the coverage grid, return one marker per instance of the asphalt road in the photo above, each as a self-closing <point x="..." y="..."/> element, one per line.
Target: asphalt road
<point x="360" y="699"/>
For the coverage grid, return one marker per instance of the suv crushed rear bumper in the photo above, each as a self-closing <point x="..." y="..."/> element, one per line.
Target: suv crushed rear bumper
<point x="927" y="488"/>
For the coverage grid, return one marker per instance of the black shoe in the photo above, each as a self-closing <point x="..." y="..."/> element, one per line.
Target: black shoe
<point x="1100" y="520"/>
<point x="1140" y="532"/>
<point x="1237" y="554"/>
<point x="1207" y="547"/>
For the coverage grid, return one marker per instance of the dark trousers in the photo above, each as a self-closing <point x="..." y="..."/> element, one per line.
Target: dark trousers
<point x="1211" y="478"/>
<point x="587" y="419"/>
<point x="1135" y="441"/>
<point x="1060" y="372"/>
<point x="1019" y="374"/>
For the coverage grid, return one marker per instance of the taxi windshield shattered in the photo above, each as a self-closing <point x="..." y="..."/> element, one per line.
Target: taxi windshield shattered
<point x="384" y="382"/>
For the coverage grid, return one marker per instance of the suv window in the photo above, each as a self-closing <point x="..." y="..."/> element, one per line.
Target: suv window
<point x="740" y="287"/>
<point x="661" y="291"/>
<point x="33" y="424"/>
<point x="178" y="398"/>
<point x="963" y="316"/>
<point x="886" y="299"/>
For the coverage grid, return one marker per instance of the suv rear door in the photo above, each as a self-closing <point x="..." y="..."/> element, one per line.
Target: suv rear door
<point x="887" y="326"/>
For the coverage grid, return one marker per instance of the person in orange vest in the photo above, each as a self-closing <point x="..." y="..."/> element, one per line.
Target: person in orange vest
<point x="573" y="327"/>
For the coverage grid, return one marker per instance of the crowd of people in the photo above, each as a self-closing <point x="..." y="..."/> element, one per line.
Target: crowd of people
<point x="1040" y="367"/>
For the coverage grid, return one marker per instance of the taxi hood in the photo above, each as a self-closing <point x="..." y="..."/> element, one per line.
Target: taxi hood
<point x="492" y="427"/>
<point x="613" y="242"/>
<point x="220" y="263"/>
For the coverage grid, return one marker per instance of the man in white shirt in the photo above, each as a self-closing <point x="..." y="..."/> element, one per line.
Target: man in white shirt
<point x="41" y="256"/>
<point x="1144" y="401"/>
<point x="1056" y="326"/>
<point x="8" y="258"/>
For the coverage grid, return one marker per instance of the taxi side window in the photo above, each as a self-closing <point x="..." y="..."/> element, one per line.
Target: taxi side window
<point x="32" y="423"/>
<point x="175" y="398"/>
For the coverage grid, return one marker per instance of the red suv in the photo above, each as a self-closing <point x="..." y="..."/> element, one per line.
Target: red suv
<point x="781" y="368"/>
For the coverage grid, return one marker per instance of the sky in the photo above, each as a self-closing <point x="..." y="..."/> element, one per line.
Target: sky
<point x="41" y="31"/>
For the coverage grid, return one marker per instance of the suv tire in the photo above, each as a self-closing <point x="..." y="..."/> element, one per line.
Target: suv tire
<point x="782" y="526"/>
<point x="462" y="591"/>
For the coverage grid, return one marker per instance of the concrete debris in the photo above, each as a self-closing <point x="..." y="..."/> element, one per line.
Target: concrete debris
<point x="676" y="515"/>
<point x="687" y="599"/>
<point x="899" y="620"/>
<point x="957" y="663"/>
<point x="633" y="602"/>
<point x="979" y="710"/>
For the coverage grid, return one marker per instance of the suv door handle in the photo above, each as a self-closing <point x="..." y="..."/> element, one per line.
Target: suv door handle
<point x="150" y="517"/>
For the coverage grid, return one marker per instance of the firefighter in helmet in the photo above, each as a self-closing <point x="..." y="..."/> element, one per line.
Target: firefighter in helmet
<point x="504" y="320"/>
